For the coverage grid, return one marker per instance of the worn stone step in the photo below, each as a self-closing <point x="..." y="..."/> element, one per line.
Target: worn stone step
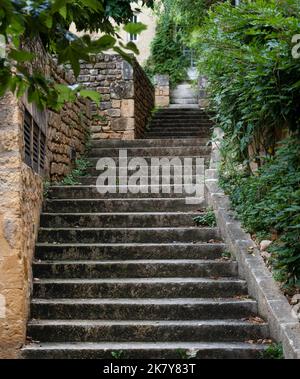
<point x="171" y="122"/>
<point x="157" y="152"/>
<point x="151" y="162"/>
<point x="138" y="220"/>
<point x="107" y="191"/>
<point x="159" y="127"/>
<point x="134" y="350"/>
<point x="145" y="331"/>
<point x="142" y="309"/>
<point x="129" y="251"/>
<point x="201" y="133"/>
<point x="170" y="168"/>
<point x="120" y="205"/>
<point x="167" y="137"/>
<point x="139" y="288"/>
<point x="92" y="180"/>
<point x="118" y="235"/>
<point x="187" y="100"/>
<point x="147" y="143"/>
<point x="134" y="269"/>
<point x="181" y="116"/>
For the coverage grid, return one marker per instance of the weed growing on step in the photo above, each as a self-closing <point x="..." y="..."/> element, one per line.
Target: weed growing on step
<point x="274" y="351"/>
<point x="117" y="354"/>
<point x="226" y="255"/>
<point x="81" y="166"/>
<point x="46" y="186"/>
<point x="207" y="219"/>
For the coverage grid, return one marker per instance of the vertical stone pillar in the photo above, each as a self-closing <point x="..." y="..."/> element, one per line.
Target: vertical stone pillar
<point x="162" y="91"/>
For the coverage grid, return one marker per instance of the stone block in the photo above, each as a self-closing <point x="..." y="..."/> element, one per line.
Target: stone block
<point x="122" y="90"/>
<point x="113" y="113"/>
<point x="116" y="103"/>
<point x="122" y="124"/>
<point x="127" y="108"/>
<point x="162" y="101"/>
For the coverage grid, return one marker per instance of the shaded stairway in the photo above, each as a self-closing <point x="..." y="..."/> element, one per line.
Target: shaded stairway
<point x="131" y="274"/>
<point x="179" y="123"/>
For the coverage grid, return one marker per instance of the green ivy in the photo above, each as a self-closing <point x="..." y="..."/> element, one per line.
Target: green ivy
<point x="167" y="52"/>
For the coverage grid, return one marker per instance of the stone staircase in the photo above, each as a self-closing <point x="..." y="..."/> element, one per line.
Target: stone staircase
<point x="184" y="96"/>
<point x="131" y="275"/>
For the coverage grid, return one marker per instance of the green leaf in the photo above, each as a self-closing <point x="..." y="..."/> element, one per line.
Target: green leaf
<point x="135" y="27"/>
<point x="131" y="46"/>
<point x="63" y="12"/>
<point x="94" y="4"/>
<point x="106" y="42"/>
<point x="21" y="56"/>
<point x="92" y="95"/>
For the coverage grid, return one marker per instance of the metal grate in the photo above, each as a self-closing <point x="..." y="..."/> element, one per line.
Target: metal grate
<point x="34" y="143"/>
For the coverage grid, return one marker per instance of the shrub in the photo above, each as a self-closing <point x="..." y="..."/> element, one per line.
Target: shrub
<point x="246" y="54"/>
<point x="269" y="202"/>
<point x="167" y="53"/>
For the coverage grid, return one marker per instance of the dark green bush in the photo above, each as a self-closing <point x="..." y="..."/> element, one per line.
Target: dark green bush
<point x="246" y="54"/>
<point x="167" y="53"/>
<point x="268" y="203"/>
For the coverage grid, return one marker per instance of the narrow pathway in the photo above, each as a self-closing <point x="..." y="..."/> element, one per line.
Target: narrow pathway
<point x="131" y="275"/>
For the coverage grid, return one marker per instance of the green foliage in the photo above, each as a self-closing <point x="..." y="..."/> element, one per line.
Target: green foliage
<point x="246" y="54"/>
<point x="117" y="354"/>
<point x="269" y="202"/>
<point x="207" y="219"/>
<point x="188" y="15"/>
<point x="274" y="351"/>
<point x="49" y="22"/>
<point x="81" y="166"/>
<point x="167" y="52"/>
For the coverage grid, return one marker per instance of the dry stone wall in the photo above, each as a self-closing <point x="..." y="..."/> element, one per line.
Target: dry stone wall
<point x="127" y="97"/>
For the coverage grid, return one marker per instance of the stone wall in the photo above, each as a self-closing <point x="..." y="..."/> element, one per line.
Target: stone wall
<point x="20" y="203"/>
<point x="68" y="130"/>
<point x="162" y="91"/>
<point x="144" y="100"/>
<point x="21" y="196"/>
<point x="123" y="88"/>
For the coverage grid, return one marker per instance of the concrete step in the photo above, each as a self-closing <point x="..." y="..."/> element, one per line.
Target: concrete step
<point x="201" y="133"/>
<point x="135" y="152"/>
<point x="138" y="220"/>
<point x="128" y="251"/>
<point x="137" y="235"/>
<point x="106" y="191"/>
<point x="187" y="111"/>
<point x="179" y="126"/>
<point x="185" y="101"/>
<point x="152" y="166"/>
<point x="142" y="309"/>
<point x="147" y="143"/>
<point x="121" y="205"/>
<point x="139" y="288"/>
<point x="134" y="269"/>
<point x="145" y="331"/>
<point x="134" y="350"/>
<point x="158" y="180"/>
